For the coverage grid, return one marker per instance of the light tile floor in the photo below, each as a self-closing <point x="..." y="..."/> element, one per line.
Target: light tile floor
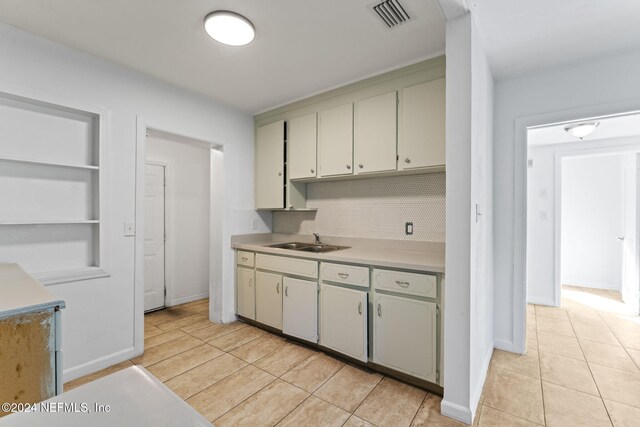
<point x="581" y="369"/>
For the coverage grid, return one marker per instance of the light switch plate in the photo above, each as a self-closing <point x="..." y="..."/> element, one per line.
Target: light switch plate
<point x="129" y="229"/>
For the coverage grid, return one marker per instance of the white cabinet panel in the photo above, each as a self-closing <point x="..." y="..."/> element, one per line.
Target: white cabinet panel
<point x="375" y="137"/>
<point x="405" y="335"/>
<point x="245" y="297"/>
<point x="300" y="309"/>
<point x="245" y="258"/>
<point x="403" y="282"/>
<point x="335" y="141"/>
<point x="269" y="166"/>
<point x="302" y="142"/>
<point x="422" y="125"/>
<point x="347" y="274"/>
<point x="283" y="264"/>
<point x="343" y="320"/>
<point x="269" y="299"/>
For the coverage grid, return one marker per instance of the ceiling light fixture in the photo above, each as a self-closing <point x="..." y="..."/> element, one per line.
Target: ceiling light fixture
<point x="229" y="28"/>
<point x="580" y="130"/>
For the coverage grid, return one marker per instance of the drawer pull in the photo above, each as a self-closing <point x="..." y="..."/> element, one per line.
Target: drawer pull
<point x="245" y="259"/>
<point x="379" y="310"/>
<point x="250" y="281"/>
<point x="402" y="283"/>
<point x="343" y="275"/>
<point x="286" y="291"/>
<point x="360" y="307"/>
<point x="278" y="287"/>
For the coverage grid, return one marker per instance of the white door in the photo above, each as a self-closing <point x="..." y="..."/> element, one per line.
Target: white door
<point x="343" y="320"/>
<point x="302" y="143"/>
<point x="375" y="136"/>
<point x="300" y="309"/>
<point x="269" y="299"/>
<point x="335" y="141"/>
<point x="405" y="335"/>
<point x="269" y="166"/>
<point x="630" y="278"/>
<point x="246" y="297"/>
<point x="154" y="237"/>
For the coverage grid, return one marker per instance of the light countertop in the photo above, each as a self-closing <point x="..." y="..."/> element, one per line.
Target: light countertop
<point x="418" y="256"/>
<point x="21" y="293"/>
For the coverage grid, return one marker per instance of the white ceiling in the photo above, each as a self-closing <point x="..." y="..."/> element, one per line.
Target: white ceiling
<point x="302" y="47"/>
<point x="610" y="127"/>
<point x="521" y="36"/>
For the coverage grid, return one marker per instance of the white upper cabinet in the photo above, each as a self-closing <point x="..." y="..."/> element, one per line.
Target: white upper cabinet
<point x="375" y="137"/>
<point x="302" y="142"/>
<point x="269" y="166"/>
<point x="335" y="141"/>
<point x="422" y="125"/>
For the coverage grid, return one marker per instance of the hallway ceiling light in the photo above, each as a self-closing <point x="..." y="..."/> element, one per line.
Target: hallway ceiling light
<point x="229" y="28"/>
<point x="580" y="130"/>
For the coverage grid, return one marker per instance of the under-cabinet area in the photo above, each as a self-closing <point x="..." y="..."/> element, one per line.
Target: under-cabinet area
<point x="387" y="318"/>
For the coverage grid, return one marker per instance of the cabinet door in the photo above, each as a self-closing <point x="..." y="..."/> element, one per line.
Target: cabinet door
<point x="343" y="320"/>
<point x="375" y="138"/>
<point x="300" y="309"/>
<point x="302" y="142"/>
<point x="269" y="299"/>
<point x="269" y="166"/>
<point x="245" y="297"/>
<point x="422" y="125"/>
<point x="405" y="335"/>
<point x="335" y="141"/>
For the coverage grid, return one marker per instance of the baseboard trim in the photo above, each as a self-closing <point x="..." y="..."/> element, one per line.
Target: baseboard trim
<point x="455" y="411"/>
<point x="595" y="285"/>
<point x="98" y="364"/>
<point x="505" y="345"/>
<point x="184" y="300"/>
<point x="475" y="397"/>
<point x="541" y="301"/>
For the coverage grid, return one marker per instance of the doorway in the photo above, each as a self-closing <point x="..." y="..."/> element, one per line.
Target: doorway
<point x="154" y="237"/>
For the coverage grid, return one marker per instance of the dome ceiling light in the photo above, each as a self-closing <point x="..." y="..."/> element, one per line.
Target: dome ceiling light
<point x="581" y="130"/>
<point x="229" y="28"/>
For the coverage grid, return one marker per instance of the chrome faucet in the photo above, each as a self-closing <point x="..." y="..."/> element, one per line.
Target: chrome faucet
<point x="317" y="237"/>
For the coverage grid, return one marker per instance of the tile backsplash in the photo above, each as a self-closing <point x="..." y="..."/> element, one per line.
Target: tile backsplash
<point x="372" y="208"/>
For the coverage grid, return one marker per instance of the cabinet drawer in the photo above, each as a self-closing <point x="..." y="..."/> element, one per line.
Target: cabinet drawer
<point x="295" y="266"/>
<point x="424" y="285"/>
<point x="348" y="274"/>
<point x="245" y="258"/>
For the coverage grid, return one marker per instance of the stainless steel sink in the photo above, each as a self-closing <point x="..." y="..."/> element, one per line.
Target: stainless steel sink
<point x="290" y="245"/>
<point x="322" y="248"/>
<point x="307" y="247"/>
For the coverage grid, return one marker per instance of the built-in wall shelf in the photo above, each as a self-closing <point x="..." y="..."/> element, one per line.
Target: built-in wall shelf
<point x="47" y="163"/>
<point x="49" y="222"/>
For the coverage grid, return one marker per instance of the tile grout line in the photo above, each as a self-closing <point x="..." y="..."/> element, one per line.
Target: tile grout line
<point x="544" y="409"/>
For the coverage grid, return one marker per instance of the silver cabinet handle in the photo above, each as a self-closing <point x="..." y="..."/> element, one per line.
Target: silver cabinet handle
<point x="621" y="238"/>
<point x="407" y="160"/>
<point x="279" y="173"/>
<point x="360" y="307"/>
<point x="348" y="166"/>
<point x="278" y="287"/>
<point x="402" y="284"/>
<point x="343" y="275"/>
<point x="250" y="281"/>
<point x="313" y="171"/>
<point x="244" y="258"/>
<point x="286" y="291"/>
<point x="379" y="310"/>
<point x="360" y="165"/>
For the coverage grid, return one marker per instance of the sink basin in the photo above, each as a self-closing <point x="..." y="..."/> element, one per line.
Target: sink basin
<point x="307" y="247"/>
<point x="290" y="245"/>
<point x="322" y="248"/>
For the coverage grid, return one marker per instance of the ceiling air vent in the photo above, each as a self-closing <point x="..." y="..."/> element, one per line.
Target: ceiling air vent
<point x="391" y="13"/>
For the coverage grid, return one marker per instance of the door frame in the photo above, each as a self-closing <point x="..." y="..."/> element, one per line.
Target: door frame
<point x="217" y="199"/>
<point x="519" y="268"/>
<point x="167" y="254"/>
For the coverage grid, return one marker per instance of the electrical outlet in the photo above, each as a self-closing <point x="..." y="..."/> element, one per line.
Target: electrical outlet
<point x="408" y="228"/>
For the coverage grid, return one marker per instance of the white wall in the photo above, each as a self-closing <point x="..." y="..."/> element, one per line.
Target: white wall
<point x="592" y="219"/>
<point x="586" y="89"/>
<point x="98" y="323"/>
<point x="468" y="315"/>
<point x="187" y="216"/>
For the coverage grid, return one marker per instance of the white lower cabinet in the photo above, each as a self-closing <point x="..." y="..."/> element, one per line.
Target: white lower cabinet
<point x="246" y="296"/>
<point x="343" y="320"/>
<point x="405" y="335"/>
<point x="300" y="309"/>
<point x="269" y="299"/>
